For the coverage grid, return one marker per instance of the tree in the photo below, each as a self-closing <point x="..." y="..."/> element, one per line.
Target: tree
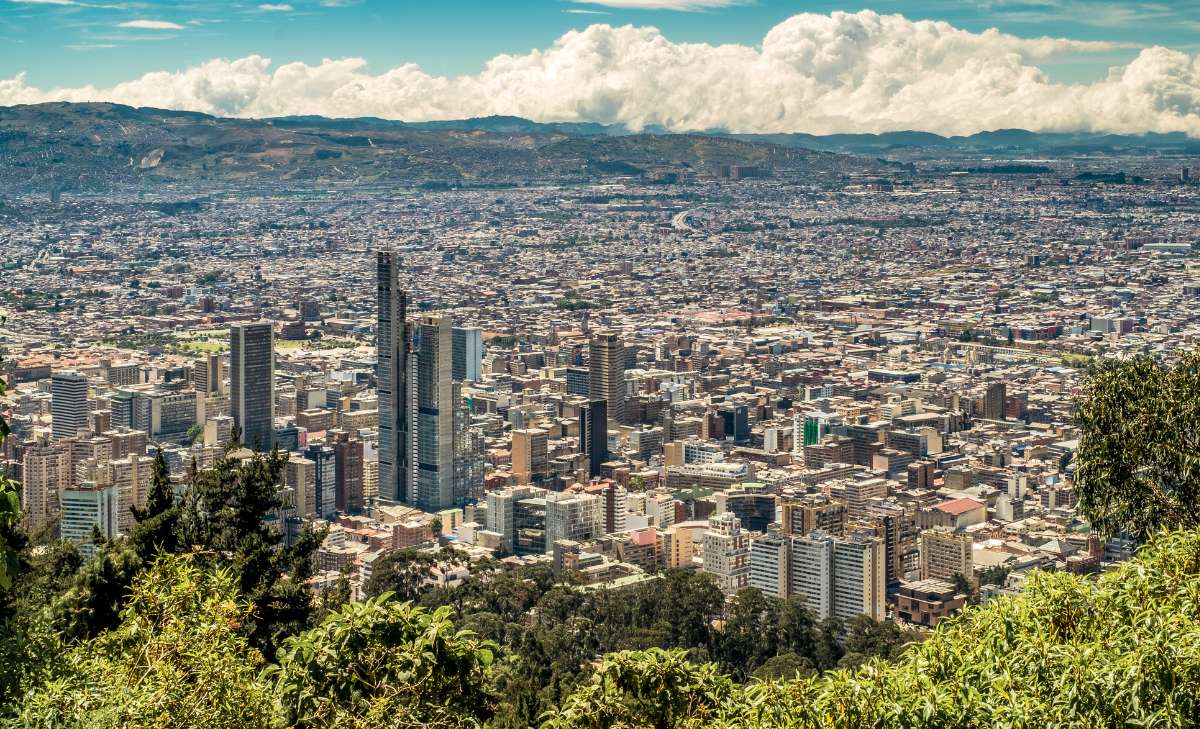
<point x="384" y="660"/>
<point x="785" y="666"/>
<point x="402" y="573"/>
<point x="1136" y="469"/>
<point x="176" y="658"/>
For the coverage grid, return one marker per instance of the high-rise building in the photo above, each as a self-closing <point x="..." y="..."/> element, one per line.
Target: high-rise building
<point x="85" y="509"/>
<point x="468" y="354"/>
<point x="770" y="565"/>
<point x="208" y="375"/>
<point x="606" y="373"/>
<point x="393" y="344"/>
<point x="470" y="453"/>
<point x="348" y="460"/>
<point x="812" y="571"/>
<point x="252" y="383"/>
<point x="811" y="513"/>
<point x="727" y="552"/>
<point x="46" y="472"/>
<point x="435" y="413"/>
<point x="131" y="477"/>
<point x="993" y="401"/>
<point x="859" y="576"/>
<point x="593" y="435"/>
<point x="946" y="553"/>
<point x="300" y="475"/>
<point x="324" y="479"/>
<point x="576" y="517"/>
<point x="529" y="455"/>
<point x="68" y="404"/>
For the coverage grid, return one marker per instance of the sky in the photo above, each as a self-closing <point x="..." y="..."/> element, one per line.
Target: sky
<point x="744" y="65"/>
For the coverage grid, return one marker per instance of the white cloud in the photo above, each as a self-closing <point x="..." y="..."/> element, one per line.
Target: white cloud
<point x="150" y="25"/>
<point x="857" y="72"/>
<point x="685" y="5"/>
<point x="44" y="2"/>
<point x="274" y="8"/>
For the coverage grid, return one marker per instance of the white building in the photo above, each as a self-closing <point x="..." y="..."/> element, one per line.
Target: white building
<point x="727" y="552"/>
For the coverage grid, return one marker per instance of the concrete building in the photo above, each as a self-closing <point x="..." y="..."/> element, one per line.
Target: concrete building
<point x="252" y="383"/>
<point x="859" y="577"/>
<point x="46" y="472"/>
<point x="606" y="373"/>
<point x="770" y="565"/>
<point x="946" y="553"/>
<point x="529" y="455"/>
<point x="812" y="570"/>
<point x="86" y="508"/>
<point x="68" y="404"/>
<point x="727" y="553"/>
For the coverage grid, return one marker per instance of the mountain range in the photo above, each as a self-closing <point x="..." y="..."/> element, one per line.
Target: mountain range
<point x="102" y="146"/>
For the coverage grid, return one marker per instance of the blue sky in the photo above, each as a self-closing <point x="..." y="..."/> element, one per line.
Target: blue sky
<point x="101" y="42"/>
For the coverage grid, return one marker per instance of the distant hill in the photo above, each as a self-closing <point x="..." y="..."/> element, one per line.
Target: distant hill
<point x="99" y="146"/>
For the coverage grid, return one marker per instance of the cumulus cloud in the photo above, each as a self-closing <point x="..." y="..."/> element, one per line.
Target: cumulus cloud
<point x="150" y="25"/>
<point x="860" y="72"/>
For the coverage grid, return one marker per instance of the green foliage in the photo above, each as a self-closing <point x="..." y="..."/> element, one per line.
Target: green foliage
<point x="1137" y="469"/>
<point x="1068" y="652"/>
<point x="384" y="658"/>
<point x="402" y="573"/>
<point x="177" y="658"/>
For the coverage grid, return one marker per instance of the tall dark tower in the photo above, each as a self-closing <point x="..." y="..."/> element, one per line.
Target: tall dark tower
<point x="392" y="338"/>
<point x="593" y="434"/>
<point x="252" y="383"/>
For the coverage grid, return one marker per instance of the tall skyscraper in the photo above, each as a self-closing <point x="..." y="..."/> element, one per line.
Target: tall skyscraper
<point x="325" y="478"/>
<point x="606" y="372"/>
<point x="859" y="577"/>
<point x="468" y="354"/>
<point x="435" y="413"/>
<point x="207" y="375"/>
<point x="593" y="434"/>
<point x="252" y="382"/>
<point x="393" y="343"/>
<point x="68" y="404"/>
<point x="348" y="454"/>
<point x="469" y="453"/>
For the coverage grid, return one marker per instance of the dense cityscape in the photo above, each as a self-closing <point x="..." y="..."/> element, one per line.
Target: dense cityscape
<point x="599" y="364"/>
<point x="855" y="387"/>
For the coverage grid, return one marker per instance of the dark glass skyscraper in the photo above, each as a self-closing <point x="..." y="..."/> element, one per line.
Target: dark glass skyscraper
<point x="593" y="434"/>
<point x="392" y="342"/>
<point x="252" y="382"/>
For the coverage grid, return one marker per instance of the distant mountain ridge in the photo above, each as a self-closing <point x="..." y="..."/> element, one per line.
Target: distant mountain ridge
<point x="99" y="146"/>
<point x="853" y="143"/>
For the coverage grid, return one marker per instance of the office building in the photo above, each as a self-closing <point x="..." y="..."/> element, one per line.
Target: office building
<point x="68" y="404"/>
<point x="348" y="471"/>
<point x="593" y="435"/>
<point x="435" y="413"/>
<point x="208" y="375"/>
<point x="470" y="454"/>
<point x="324" y="479"/>
<point x="812" y="513"/>
<point x="529" y="455"/>
<point x="131" y="477"/>
<point x="252" y="383"/>
<point x="468" y="354"/>
<point x="573" y="516"/>
<point x="606" y="373"/>
<point x="393" y="345"/>
<point x="300" y="475"/>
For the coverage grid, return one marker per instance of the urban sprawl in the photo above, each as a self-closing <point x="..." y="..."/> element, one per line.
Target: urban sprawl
<point x="858" y="390"/>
